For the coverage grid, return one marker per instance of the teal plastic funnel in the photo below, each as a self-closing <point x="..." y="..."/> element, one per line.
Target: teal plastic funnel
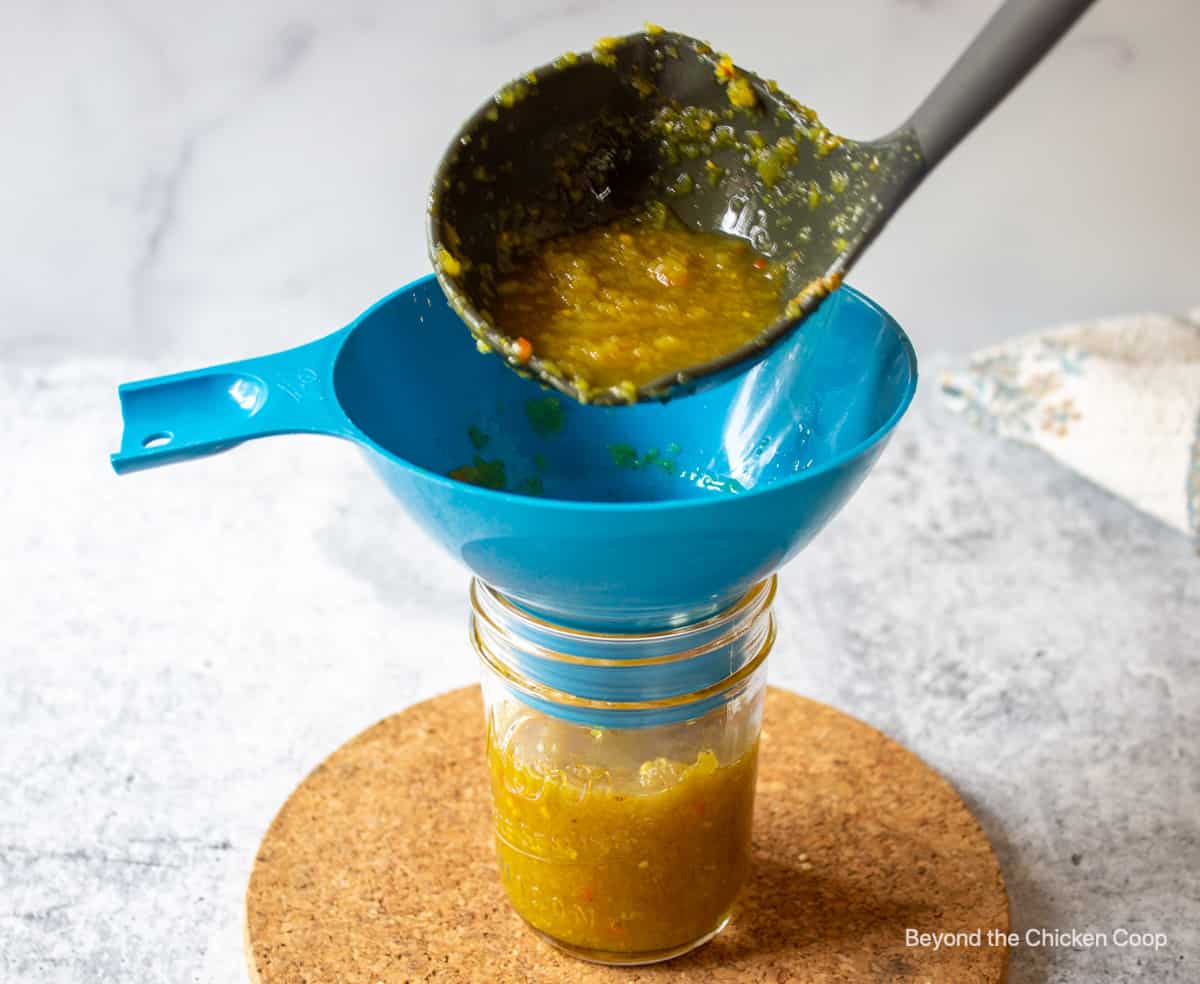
<point x="629" y="517"/>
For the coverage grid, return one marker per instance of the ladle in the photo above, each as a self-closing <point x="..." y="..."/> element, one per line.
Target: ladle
<point x="658" y="116"/>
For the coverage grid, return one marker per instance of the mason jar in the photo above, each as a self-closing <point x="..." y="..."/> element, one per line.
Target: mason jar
<point x="622" y="772"/>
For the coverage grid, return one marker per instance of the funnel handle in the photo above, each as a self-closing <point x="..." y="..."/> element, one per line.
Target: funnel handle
<point x="193" y="414"/>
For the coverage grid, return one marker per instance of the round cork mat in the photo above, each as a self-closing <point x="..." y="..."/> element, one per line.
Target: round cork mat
<point x="379" y="867"/>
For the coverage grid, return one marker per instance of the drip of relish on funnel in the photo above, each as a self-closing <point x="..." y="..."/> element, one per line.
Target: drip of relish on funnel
<point x="618" y="305"/>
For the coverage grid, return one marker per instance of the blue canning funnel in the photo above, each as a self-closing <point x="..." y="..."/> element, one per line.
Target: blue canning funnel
<point x="641" y="516"/>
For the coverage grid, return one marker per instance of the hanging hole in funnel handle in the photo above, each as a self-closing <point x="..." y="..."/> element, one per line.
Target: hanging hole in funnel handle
<point x="157" y="440"/>
<point x="188" y="415"/>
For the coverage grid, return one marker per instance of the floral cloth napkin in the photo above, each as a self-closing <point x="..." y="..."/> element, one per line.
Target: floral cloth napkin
<point x="1117" y="400"/>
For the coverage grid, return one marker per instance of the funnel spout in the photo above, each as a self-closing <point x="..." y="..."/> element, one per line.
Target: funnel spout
<point x="193" y="414"/>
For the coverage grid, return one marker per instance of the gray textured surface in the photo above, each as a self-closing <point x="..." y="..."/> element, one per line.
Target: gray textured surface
<point x="181" y="646"/>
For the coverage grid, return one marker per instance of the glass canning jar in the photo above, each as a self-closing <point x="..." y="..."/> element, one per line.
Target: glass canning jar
<point x="622" y="772"/>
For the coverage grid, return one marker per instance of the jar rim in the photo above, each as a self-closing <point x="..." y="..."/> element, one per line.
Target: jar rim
<point x="727" y="625"/>
<point x="748" y="606"/>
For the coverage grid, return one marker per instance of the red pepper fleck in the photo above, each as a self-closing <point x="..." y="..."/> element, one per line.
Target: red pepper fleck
<point x="524" y="350"/>
<point x="586" y="894"/>
<point x="760" y="263"/>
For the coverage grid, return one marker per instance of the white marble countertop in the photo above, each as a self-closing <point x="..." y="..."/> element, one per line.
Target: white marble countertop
<point x="212" y="180"/>
<point x="188" y="183"/>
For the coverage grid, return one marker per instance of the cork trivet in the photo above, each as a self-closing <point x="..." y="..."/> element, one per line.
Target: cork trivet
<point x="379" y="867"/>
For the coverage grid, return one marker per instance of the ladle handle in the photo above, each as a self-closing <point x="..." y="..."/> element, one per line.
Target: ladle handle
<point x="1010" y="44"/>
<point x="193" y="414"/>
